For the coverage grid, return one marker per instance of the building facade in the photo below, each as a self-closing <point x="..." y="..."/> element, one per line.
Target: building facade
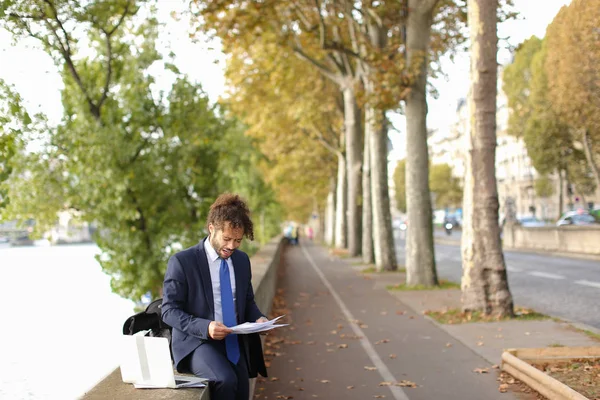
<point x="515" y="173"/>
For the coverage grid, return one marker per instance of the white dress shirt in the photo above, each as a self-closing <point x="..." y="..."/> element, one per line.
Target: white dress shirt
<point x="214" y="265"/>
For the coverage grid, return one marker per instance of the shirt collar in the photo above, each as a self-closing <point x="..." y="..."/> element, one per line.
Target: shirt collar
<point x="210" y="251"/>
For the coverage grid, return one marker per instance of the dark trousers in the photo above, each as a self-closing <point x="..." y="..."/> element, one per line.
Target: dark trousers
<point x="227" y="381"/>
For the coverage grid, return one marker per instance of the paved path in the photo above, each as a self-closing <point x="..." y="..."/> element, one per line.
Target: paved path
<point x="350" y="338"/>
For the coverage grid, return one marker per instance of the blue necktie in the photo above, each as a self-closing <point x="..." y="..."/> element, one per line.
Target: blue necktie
<point x="231" y="342"/>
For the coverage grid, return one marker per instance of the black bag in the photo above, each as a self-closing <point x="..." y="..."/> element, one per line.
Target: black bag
<point x="151" y="320"/>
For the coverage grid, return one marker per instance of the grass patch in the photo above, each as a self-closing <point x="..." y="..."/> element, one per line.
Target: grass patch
<point x="556" y="345"/>
<point x="372" y="270"/>
<point x="444" y="284"/>
<point x="457" y="316"/>
<point x="592" y="335"/>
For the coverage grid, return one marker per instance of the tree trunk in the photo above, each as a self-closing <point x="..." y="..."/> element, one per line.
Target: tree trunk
<point x="420" y="257"/>
<point x="589" y="154"/>
<point x="367" y="210"/>
<point x="340" y="204"/>
<point x="330" y="214"/>
<point x="352" y="125"/>
<point x="569" y="189"/>
<point x="561" y="203"/>
<point x="385" y="253"/>
<point x="484" y="281"/>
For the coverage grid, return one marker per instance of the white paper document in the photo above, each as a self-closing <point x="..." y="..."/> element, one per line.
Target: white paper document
<point x="254" y="327"/>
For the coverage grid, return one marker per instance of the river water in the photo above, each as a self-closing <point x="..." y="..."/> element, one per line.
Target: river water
<point x="60" y="323"/>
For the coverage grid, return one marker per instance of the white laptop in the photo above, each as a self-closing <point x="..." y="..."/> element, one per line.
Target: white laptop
<point x="146" y="362"/>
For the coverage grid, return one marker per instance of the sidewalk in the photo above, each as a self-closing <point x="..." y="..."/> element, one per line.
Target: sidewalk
<point x="351" y="338"/>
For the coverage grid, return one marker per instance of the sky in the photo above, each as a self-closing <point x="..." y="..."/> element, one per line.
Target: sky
<point x="36" y="78"/>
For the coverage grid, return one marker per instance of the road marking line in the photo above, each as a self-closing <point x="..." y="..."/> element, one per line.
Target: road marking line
<point x="383" y="370"/>
<point x="513" y="269"/>
<point x="588" y="283"/>
<point x="546" y="275"/>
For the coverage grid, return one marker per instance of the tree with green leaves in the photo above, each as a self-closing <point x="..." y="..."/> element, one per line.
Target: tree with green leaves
<point x="400" y="185"/>
<point x="143" y="166"/>
<point x="16" y="127"/>
<point x="484" y="283"/>
<point x="447" y="188"/>
<point x="573" y="83"/>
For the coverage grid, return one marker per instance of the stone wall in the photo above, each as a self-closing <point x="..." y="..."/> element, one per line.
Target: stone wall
<point x="565" y="239"/>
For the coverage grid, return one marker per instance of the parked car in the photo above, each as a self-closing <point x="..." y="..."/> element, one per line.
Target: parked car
<point x="531" y="222"/>
<point x="577" y="218"/>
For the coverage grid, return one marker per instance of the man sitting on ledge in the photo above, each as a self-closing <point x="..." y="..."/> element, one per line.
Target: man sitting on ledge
<point x="208" y="288"/>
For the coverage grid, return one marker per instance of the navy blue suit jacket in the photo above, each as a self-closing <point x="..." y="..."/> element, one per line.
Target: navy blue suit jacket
<point x="188" y="303"/>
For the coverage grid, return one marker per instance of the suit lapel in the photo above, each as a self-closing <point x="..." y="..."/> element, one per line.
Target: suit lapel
<point x="240" y="287"/>
<point x="205" y="275"/>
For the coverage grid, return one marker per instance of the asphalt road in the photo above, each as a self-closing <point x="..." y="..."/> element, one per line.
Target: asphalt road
<point x="567" y="288"/>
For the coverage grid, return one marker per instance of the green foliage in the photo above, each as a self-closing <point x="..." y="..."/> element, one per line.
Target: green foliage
<point x="544" y="187"/>
<point x="144" y="168"/>
<point x="15" y="123"/>
<point x="447" y="188"/>
<point x="517" y="79"/>
<point x="400" y="184"/>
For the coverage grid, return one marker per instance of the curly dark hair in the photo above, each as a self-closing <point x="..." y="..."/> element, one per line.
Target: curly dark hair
<point x="231" y="208"/>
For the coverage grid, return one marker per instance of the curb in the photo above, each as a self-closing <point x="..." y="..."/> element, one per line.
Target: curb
<point x="536" y="379"/>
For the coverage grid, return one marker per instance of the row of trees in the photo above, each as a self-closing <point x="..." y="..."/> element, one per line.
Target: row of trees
<point x="553" y="92"/>
<point x="312" y="79"/>
<point x="143" y="166"/>
<point x="324" y="74"/>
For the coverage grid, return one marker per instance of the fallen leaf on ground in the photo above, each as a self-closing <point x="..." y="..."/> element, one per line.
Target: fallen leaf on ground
<point x="400" y="312"/>
<point x="379" y="396"/>
<point x="383" y="313"/>
<point x="480" y="343"/>
<point x="495" y="366"/>
<point x="325" y="381"/>
<point x="349" y="387"/>
<point x="370" y="368"/>
<point x="343" y="346"/>
<point x="284" y="397"/>
<point x="273" y="379"/>
<point x="481" y="370"/>
<point x="334" y="332"/>
<point x="329" y="344"/>
<point x="392" y="356"/>
<point x="405" y="383"/>
<point x="503" y="388"/>
<point x="382" y="341"/>
<point x="385" y="383"/>
<point x="311" y="342"/>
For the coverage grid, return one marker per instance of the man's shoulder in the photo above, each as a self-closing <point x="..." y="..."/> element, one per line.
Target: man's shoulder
<point x="187" y="254"/>
<point x="241" y="256"/>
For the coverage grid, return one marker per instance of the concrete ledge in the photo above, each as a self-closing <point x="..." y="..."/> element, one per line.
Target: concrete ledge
<point x="264" y="280"/>
<point x="516" y="362"/>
